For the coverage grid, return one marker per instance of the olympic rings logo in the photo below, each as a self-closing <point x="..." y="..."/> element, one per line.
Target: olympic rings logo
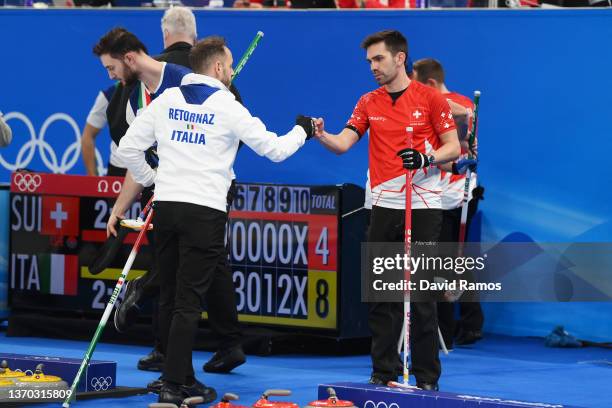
<point x="381" y="404"/>
<point x="37" y="143"/>
<point x="101" y="383"/>
<point x="27" y="182"/>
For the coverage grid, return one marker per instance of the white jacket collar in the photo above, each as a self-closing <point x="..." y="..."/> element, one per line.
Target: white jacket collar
<point x="203" y="79"/>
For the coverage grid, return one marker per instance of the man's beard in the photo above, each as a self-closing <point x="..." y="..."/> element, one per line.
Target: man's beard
<point x="227" y="79"/>
<point x="130" y="76"/>
<point x="386" y="78"/>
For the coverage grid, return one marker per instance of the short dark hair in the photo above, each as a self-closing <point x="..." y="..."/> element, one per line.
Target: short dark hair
<point x="202" y="54"/>
<point x="118" y="42"/>
<point x="393" y="39"/>
<point x="429" y="68"/>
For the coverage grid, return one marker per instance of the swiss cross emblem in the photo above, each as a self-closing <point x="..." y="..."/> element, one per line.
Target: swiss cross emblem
<point x="417" y="114"/>
<point x="60" y="216"/>
<point x="446" y="126"/>
<point x="443" y="114"/>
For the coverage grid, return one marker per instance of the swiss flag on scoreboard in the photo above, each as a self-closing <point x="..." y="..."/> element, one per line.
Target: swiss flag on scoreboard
<point x="60" y="215"/>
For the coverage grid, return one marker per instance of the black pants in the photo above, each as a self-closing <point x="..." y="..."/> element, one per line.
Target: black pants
<point x="189" y="242"/>
<point x="471" y="316"/>
<point x="115" y="171"/>
<point x="386" y="319"/>
<point x="222" y="313"/>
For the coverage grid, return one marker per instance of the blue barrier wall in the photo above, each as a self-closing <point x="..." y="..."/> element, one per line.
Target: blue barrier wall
<point x="544" y="125"/>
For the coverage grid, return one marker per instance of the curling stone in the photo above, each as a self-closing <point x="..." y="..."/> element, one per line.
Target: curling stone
<point x="332" y="401"/>
<point x="264" y="401"/>
<point x="187" y="403"/>
<point x="38" y="380"/>
<point x="6" y="372"/>
<point x="226" y="402"/>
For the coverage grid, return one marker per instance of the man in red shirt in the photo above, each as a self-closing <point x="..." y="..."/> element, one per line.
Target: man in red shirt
<point x="387" y="112"/>
<point x="469" y="328"/>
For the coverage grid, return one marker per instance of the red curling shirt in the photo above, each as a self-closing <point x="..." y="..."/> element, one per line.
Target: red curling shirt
<point x="427" y="112"/>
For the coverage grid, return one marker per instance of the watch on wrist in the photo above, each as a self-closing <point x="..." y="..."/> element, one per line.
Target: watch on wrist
<point x="432" y="160"/>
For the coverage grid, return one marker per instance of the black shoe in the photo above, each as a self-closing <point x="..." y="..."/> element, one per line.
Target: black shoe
<point x="468" y="337"/>
<point x="377" y="379"/>
<point x="171" y="393"/>
<point x="154" y="361"/>
<point x="199" y="390"/>
<point x="225" y="360"/>
<point x="175" y="394"/>
<point x="155" y="385"/>
<point x="428" y="386"/>
<point x="127" y="312"/>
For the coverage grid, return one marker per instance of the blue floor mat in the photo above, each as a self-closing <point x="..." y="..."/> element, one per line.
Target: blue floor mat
<point x="498" y="366"/>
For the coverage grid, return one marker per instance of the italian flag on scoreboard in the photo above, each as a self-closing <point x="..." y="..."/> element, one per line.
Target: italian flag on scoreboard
<point x="58" y="274"/>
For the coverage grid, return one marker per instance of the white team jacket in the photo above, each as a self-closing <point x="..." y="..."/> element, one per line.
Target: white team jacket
<point x="197" y="128"/>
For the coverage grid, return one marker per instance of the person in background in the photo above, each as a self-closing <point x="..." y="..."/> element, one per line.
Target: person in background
<point x="6" y="134"/>
<point x="468" y="329"/>
<point x="96" y="121"/>
<point x="254" y="4"/>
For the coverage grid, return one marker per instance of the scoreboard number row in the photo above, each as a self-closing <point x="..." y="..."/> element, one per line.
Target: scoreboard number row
<point x="269" y="198"/>
<point x="304" y="298"/>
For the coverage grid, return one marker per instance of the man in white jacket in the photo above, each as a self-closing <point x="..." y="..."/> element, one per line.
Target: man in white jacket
<point x="197" y="127"/>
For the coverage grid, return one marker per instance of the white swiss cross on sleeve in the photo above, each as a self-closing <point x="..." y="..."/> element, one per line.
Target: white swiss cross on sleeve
<point x="417" y="114"/>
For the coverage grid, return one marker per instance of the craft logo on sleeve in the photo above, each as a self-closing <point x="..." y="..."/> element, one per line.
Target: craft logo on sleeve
<point x="60" y="216"/>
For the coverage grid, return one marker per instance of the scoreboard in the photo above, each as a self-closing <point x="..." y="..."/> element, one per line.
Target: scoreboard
<point x="283" y="243"/>
<point x="285" y="247"/>
<point x="57" y="225"/>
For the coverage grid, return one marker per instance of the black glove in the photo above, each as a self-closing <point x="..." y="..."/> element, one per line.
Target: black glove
<point x="413" y="159"/>
<point x="307" y="123"/>
<point x="478" y="193"/>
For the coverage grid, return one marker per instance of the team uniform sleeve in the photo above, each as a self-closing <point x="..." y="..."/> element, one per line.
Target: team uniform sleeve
<point x="97" y="114"/>
<point x="138" y="138"/>
<point x="441" y="116"/>
<point x="254" y="134"/>
<point x="358" y="121"/>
